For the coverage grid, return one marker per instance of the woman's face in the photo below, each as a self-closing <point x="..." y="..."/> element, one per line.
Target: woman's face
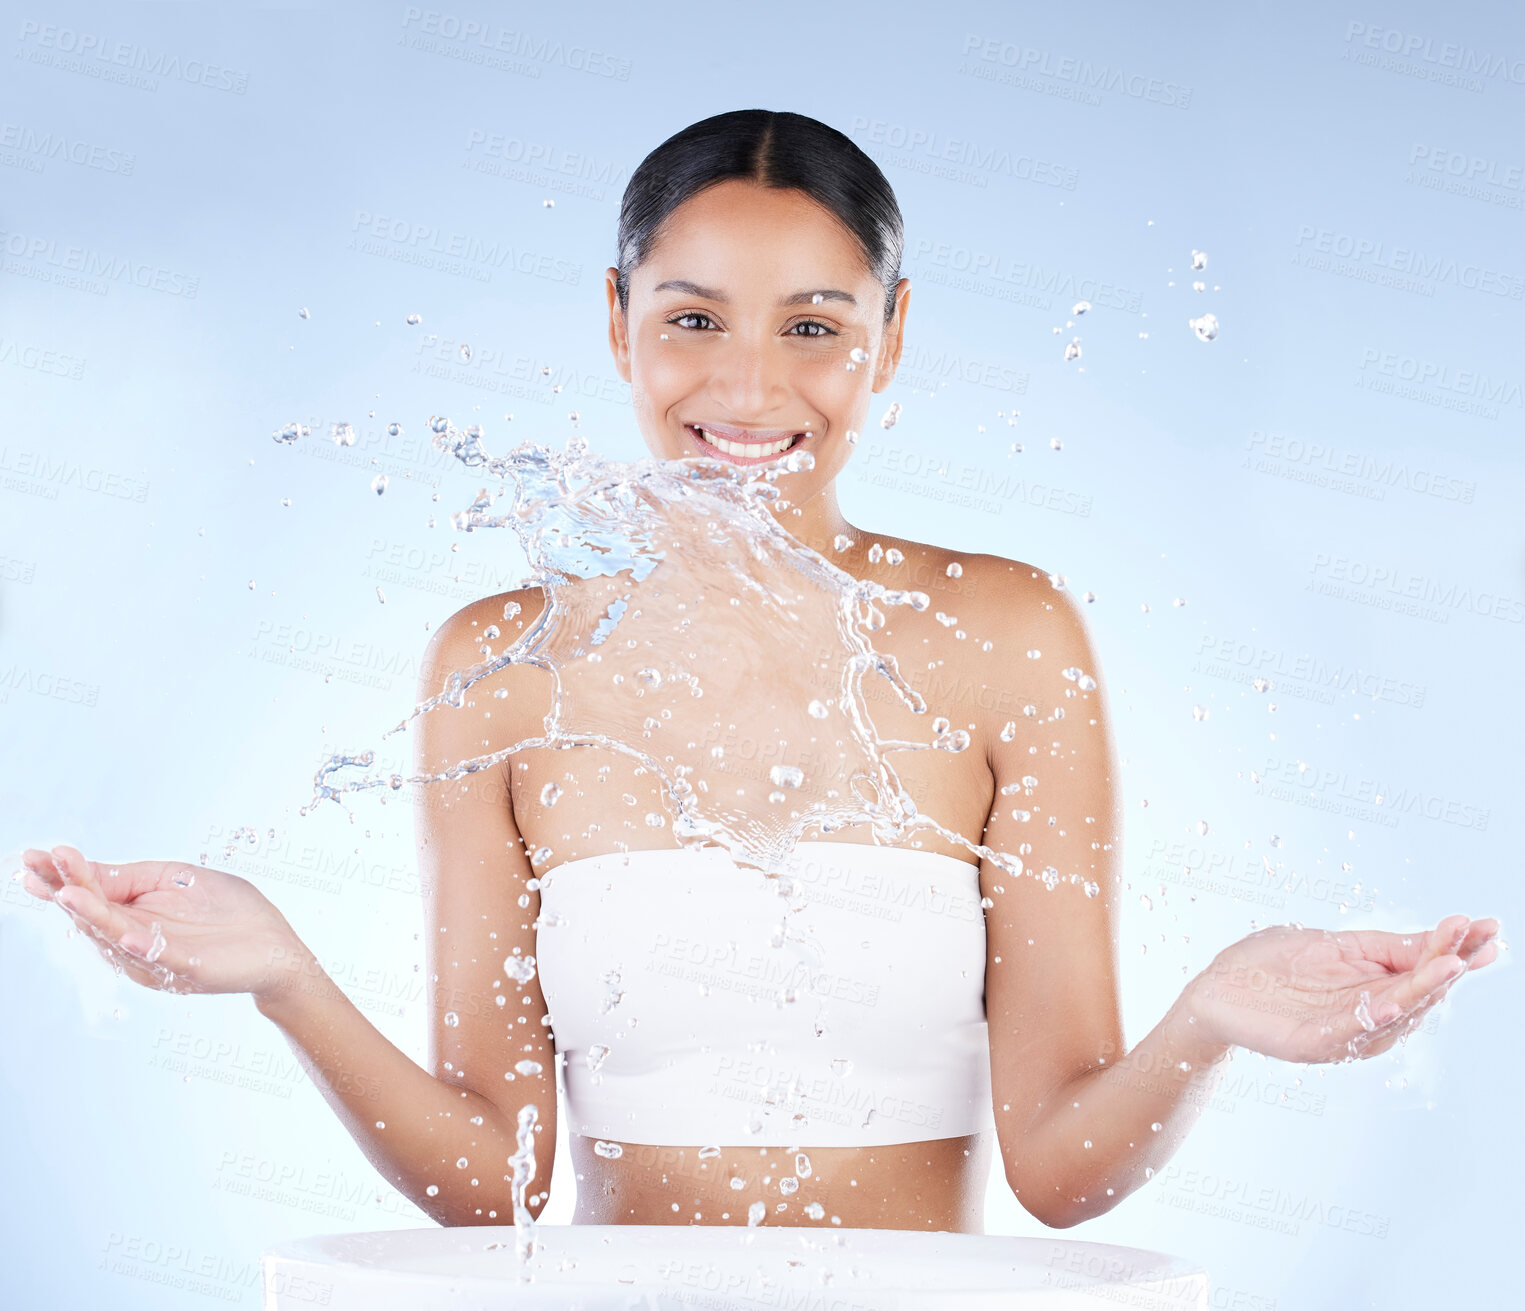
<point x="754" y="328"/>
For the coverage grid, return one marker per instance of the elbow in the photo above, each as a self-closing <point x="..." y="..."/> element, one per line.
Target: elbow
<point x="1046" y="1203"/>
<point x="1055" y="1214"/>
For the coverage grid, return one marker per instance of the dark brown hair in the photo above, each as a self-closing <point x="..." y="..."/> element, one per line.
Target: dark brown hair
<point x="776" y="149"/>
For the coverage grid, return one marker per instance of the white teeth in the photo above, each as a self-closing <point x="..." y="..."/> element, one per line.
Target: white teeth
<point x="753" y="450"/>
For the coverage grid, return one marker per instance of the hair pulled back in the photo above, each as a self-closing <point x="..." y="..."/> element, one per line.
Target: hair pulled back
<point x="776" y="149"/>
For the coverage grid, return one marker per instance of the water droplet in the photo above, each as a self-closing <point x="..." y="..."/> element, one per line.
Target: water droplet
<point x="550" y="794"/>
<point x="1199" y="713"/>
<point x="894" y="556"/>
<point x="891" y="415"/>
<point x="1072" y="351"/>
<point x="1055" y="444"/>
<point x="1198" y="260"/>
<point x="875" y="553"/>
<point x="432" y="1190"/>
<point x="755" y="1214"/>
<point x="1206" y="327"/>
<point x="528" y="1068"/>
<point x="413" y="320"/>
<point x="344" y="434"/>
<point x="394" y="430"/>
<point x="451" y="1019"/>
<point x="1202" y="828"/>
<point x="521" y="969"/>
<point x="379" y="483"/>
<point x="817" y="710"/>
<point x="802" y="1165"/>
<point x="817" y="298"/>
<point x="858" y="355"/>
<point x="303" y="314"/>
<point x="841" y="541"/>
<point x="786" y="776"/>
<point x="852" y="437"/>
<point x="1010" y="731"/>
<point x="548" y="203"/>
<point x="290" y="432"/>
<point x="816" y="1212"/>
<point x="955" y="570"/>
<point x="610" y="1151"/>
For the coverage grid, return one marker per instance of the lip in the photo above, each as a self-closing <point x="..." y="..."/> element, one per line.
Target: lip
<point x="744" y="436"/>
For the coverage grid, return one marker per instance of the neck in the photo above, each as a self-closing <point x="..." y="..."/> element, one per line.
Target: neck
<point x="819" y="522"/>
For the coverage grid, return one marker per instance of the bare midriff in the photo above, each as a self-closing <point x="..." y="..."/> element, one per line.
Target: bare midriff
<point x="933" y="1185"/>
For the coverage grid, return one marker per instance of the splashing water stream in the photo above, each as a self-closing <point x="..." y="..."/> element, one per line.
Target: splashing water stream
<point x="667" y="583"/>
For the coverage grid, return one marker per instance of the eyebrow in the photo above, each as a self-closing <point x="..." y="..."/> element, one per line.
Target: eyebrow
<point x="798" y="298"/>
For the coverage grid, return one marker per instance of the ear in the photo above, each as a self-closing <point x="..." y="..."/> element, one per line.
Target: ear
<point x="619" y="336"/>
<point x="894" y="337"/>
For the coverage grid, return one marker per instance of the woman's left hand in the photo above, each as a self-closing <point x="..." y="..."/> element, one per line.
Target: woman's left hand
<point x="1313" y="996"/>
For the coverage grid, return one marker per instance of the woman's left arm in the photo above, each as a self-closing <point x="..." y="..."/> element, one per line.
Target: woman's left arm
<point x="1082" y="1121"/>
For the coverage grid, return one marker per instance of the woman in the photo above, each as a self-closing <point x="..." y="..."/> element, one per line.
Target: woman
<point x="755" y="310"/>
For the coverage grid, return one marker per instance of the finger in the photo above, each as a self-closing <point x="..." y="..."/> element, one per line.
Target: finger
<point x="1444" y="940"/>
<point x="1485" y="955"/>
<point x="108" y="882"/>
<point x="1480" y="935"/>
<point x="38" y="886"/>
<point x="1408" y="991"/>
<point x="104" y="919"/>
<point x="40" y="864"/>
<point x="74" y="868"/>
<point x="1401" y="952"/>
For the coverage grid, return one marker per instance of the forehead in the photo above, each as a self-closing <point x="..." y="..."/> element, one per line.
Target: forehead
<point x="740" y="233"/>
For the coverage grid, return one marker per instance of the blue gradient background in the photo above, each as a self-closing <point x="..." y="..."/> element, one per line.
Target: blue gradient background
<point x="151" y="703"/>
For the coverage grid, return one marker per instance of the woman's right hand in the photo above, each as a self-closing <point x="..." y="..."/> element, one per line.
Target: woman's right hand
<point x="172" y="926"/>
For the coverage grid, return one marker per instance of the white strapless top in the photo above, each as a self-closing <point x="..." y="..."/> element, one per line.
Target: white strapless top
<point x="841" y="1003"/>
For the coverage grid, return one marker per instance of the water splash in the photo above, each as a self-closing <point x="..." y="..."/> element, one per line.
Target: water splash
<point x="656" y="565"/>
<point x="522" y="1163"/>
<point x="1205" y="326"/>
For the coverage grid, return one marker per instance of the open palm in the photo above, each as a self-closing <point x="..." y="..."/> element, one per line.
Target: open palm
<point x="1313" y="996"/>
<point x="167" y="924"/>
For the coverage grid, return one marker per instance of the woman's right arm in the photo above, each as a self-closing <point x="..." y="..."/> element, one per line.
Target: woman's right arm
<point x="444" y="1138"/>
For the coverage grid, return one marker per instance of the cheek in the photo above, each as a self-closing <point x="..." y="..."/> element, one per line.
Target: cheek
<point x="664" y="377"/>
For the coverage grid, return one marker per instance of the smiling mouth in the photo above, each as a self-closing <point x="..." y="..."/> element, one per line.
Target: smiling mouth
<point x="742" y="446"/>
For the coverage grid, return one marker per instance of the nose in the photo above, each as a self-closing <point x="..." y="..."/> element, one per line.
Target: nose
<point x="746" y="382"/>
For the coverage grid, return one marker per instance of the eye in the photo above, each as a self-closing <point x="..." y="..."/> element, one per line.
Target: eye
<point x="678" y="319"/>
<point x="824" y="331"/>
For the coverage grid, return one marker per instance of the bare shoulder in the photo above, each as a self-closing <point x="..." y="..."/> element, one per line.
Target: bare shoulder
<point x="1015" y="597"/>
<point x="494" y="622"/>
<point x="992" y="597"/>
